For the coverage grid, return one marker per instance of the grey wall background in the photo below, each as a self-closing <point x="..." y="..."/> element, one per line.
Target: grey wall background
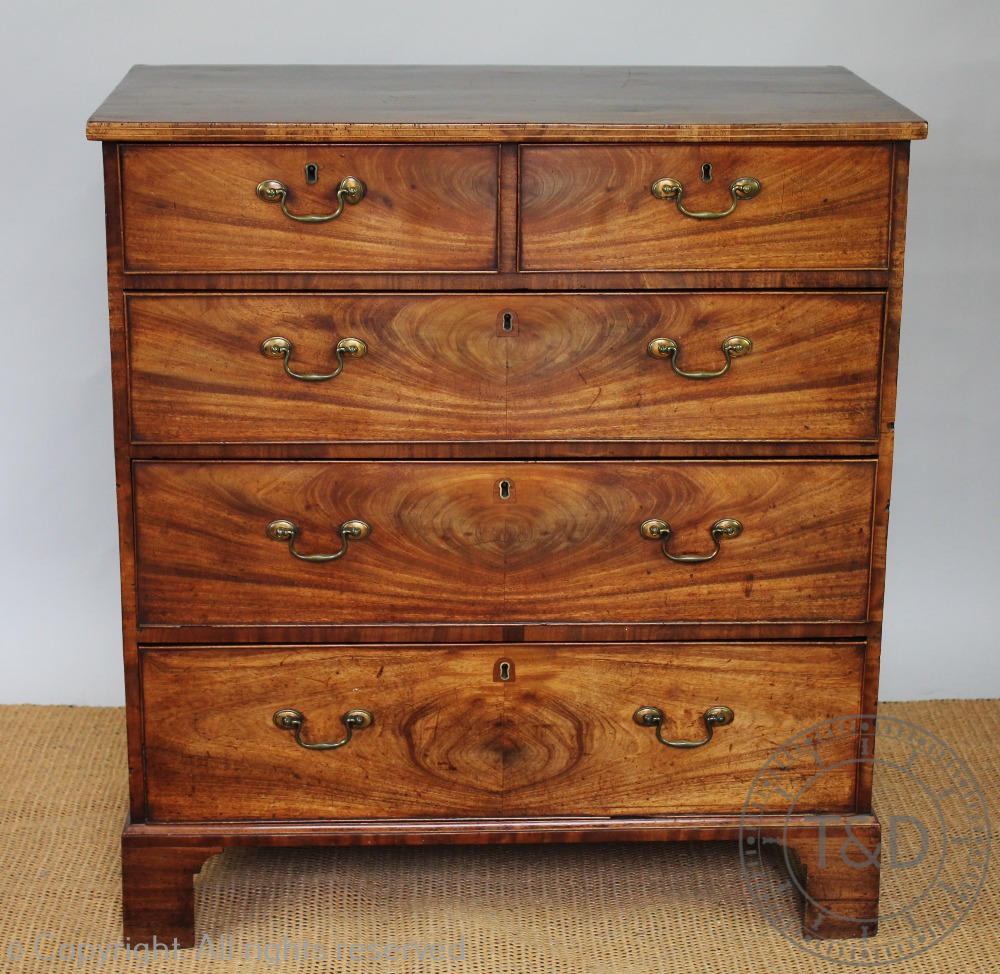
<point x="60" y="638"/>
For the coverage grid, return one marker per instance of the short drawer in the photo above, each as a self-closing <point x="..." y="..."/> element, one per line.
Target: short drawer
<point x="197" y="208"/>
<point x="515" y="541"/>
<point x="592" y="208"/>
<point x="453" y="367"/>
<point x="448" y="736"/>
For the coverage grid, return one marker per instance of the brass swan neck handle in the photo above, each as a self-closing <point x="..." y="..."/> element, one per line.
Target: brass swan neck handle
<point x="713" y="717"/>
<point x="285" y="530"/>
<point x="292" y="720"/>
<point x="282" y="348"/>
<point x="734" y="347"/>
<point x="668" y="188"/>
<point x="656" y="529"/>
<point x="351" y="190"/>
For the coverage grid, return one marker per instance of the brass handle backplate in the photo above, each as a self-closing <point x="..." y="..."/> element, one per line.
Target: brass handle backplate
<point x="351" y="190"/>
<point x="667" y="188"/>
<point x="656" y="529"/>
<point x="713" y="717"/>
<point x="283" y="530"/>
<point x="293" y="720"/>
<point x="282" y="348"/>
<point x="734" y="347"/>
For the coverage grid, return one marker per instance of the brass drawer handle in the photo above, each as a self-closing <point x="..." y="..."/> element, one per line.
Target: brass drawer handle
<point x="659" y="530"/>
<point x="744" y="188"/>
<point x="734" y="347"/>
<point x="653" y="717"/>
<point x="293" y="720"/>
<point x="351" y="190"/>
<point x="282" y="348"/>
<point x="282" y="530"/>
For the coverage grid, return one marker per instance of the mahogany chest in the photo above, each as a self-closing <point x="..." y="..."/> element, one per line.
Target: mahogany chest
<point x="503" y="454"/>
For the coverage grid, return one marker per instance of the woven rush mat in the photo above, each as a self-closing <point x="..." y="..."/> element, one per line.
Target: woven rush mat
<point x="675" y="908"/>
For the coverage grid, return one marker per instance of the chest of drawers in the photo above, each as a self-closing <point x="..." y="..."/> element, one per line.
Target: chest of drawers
<point x="503" y="455"/>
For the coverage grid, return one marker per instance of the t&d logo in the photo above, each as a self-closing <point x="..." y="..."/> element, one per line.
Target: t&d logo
<point x="929" y="856"/>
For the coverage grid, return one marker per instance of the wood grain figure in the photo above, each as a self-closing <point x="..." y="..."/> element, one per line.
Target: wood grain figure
<point x="445" y="546"/>
<point x="549" y="393"/>
<point x="196" y="208"/>
<point x="818" y="207"/>
<point x="559" y="738"/>
<point x="448" y="368"/>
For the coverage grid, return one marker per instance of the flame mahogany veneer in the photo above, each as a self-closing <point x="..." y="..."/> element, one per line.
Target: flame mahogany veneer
<point x="532" y="266"/>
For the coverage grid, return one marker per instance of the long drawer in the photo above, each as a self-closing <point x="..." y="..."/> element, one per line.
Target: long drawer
<point x="245" y="368"/>
<point x="419" y="542"/>
<point x="761" y="207"/>
<point x="203" y="208"/>
<point x="446" y="734"/>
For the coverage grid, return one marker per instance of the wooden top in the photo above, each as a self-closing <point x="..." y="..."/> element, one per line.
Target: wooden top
<point x="309" y="103"/>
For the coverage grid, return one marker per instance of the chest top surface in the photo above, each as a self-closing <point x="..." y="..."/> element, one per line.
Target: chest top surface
<point x="306" y="103"/>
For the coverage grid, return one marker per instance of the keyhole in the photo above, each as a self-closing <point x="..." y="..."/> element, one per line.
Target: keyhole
<point x="507" y="323"/>
<point x="706" y="172"/>
<point x="312" y="172"/>
<point x="503" y="671"/>
<point x="504" y="490"/>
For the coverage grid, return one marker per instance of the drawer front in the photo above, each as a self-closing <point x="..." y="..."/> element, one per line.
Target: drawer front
<point x="213" y="750"/>
<point x="196" y="208"/>
<point x="591" y="207"/>
<point x="591" y="367"/>
<point x="445" y="367"/>
<point x="450" y="738"/>
<point x="578" y="748"/>
<point x="432" y="369"/>
<point x="488" y="542"/>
